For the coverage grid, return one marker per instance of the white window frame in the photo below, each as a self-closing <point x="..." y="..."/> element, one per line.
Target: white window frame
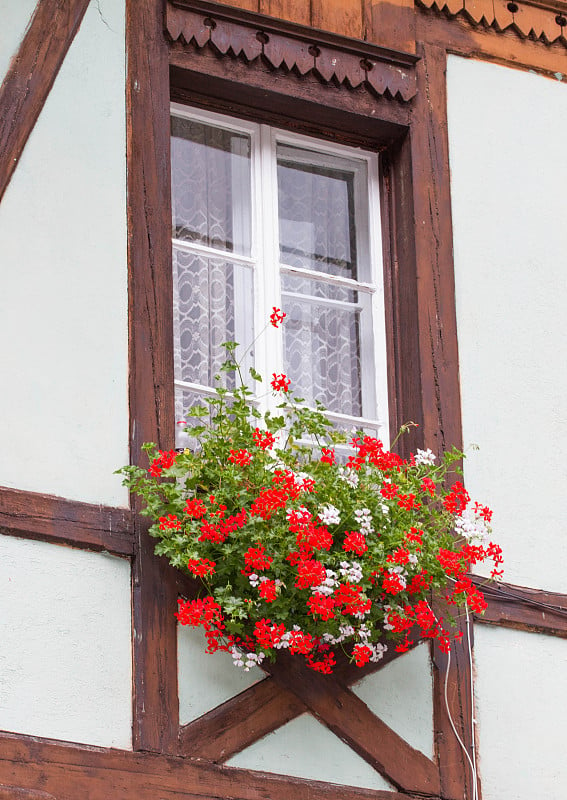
<point x="265" y="263"/>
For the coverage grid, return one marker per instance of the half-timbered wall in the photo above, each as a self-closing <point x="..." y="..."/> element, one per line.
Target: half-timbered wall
<point x="468" y="108"/>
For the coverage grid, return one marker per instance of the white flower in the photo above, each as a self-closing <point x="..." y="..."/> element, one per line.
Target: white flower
<point x="329" y="584"/>
<point x="364" y="519"/>
<point x="349" y="476"/>
<point x="412" y="558"/>
<point x="329" y="515"/>
<point x="472" y="527"/>
<point x="352" y="571"/>
<point x="254" y="579"/>
<point x="424" y="457"/>
<point x="378" y="651"/>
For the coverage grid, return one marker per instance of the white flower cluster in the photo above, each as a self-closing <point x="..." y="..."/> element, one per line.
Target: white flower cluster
<point x="345" y="632"/>
<point x="246" y="660"/>
<point x="329" y="515"/>
<point x="349" y="476"/>
<point x="329" y="584"/>
<point x="283" y="643"/>
<point x="424" y="457"/>
<point x="352" y="571"/>
<point x="364" y="520"/>
<point x="472" y="527"/>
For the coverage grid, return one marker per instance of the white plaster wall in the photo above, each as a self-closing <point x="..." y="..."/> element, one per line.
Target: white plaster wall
<point x="507" y="133"/>
<point x="65" y="643"/>
<point x="401" y="694"/>
<point x="521" y="709"/>
<point x="63" y="305"/>
<point x="15" y="16"/>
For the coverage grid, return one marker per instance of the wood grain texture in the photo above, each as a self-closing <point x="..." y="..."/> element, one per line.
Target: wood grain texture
<point x="151" y="361"/>
<point x="351" y="720"/>
<point x="292" y="10"/>
<point x="439" y="370"/>
<point x="524" y="609"/>
<point x="339" y="16"/>
<point x="70" y="772"/>
<point x="54" y="519"/>
<point x="31" y="75"/>
<point x="393" y="24"/>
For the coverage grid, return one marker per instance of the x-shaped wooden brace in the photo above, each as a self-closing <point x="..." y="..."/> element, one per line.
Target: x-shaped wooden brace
<point x="292" y="689"/>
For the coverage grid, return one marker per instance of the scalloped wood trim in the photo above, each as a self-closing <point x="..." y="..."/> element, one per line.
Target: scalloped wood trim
<point x="545" y="21"/>
<point x="285" y="46"/>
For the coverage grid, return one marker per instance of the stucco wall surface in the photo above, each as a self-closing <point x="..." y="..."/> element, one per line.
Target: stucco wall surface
<point x="508" y="177"/>
<point x="65" y="643"/>
<point x="521" y="709"/>
<point x="15" y="16"/>
<point x="63" y="305"/>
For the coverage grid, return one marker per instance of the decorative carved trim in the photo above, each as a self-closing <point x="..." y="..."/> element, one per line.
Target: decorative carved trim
<point x="333" y="59"/>
<point x="545" y="21"/>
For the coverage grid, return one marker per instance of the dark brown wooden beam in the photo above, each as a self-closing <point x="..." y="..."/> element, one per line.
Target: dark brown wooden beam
<point x="54" y="519"/>
<point x="69" y="772"/>
<point x="439" y="371"/>
<point x="524" y="609"/>
<point x="156" y="718"/>
<point x="31" y="75"/>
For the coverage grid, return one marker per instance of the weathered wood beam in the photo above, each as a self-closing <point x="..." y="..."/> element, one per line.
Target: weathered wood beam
<point x="31" y="75"/>
<point x="69" y="772"/>
<point x="55" y="519"/>
<point x="156" y="715"/>
<point x="524" y="609"/>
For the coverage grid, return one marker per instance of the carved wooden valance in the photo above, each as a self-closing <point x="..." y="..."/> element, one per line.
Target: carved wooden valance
<point x="545" y="21"/>
<point x="333" y="59"/>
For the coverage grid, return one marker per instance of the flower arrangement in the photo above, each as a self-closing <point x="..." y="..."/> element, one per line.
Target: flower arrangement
<point x="304" y="541"/>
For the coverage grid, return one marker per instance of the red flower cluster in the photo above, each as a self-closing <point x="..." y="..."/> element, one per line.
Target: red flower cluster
<point x="169" y="522"/>
<point x="195" y="508"/>
<point x="355" y="542"/>
<point x="165" y="460"/>
<point x="201" y="566"/>
<point x="268" y="634"/>
<point x="208" y="613"/>
<point x="277" y="316"/>
<point x="240" y="457"/>
<point x="256" y="560"/>
<point x="457" y="499"/>
<point x="327" y="455"/>
<point x="280" y="383"/>
<point x="263" y="439"/>
<point x="268" y="591"/>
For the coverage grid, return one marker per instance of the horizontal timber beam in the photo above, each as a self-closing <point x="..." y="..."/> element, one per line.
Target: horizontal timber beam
<point x="68" y="772"/>
<point x="31" y="515"/>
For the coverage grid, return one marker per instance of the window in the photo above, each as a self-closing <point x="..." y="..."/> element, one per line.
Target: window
<point x="263" y="218"/>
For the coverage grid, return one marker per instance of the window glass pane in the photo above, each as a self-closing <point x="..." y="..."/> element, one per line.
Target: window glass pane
<point x="322" y="352"/>
<point x="210" y="173"/>
<point x="212" y="304"/>
<point x="316" y="201"/>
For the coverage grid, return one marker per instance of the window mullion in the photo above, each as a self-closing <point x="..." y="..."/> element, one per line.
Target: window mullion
<point x="272" y="348"/>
